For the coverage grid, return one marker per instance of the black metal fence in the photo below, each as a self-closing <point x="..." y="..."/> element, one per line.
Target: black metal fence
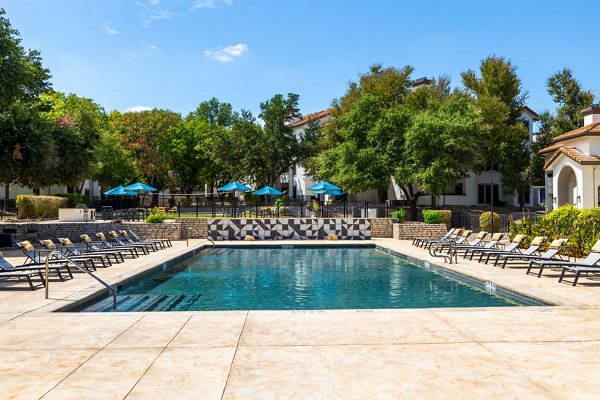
<point x="471" y="220"/>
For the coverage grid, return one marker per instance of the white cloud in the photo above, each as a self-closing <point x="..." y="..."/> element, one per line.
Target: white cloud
<point x="210" y="3"/>
<point x="138" y="109"/>
<point x="153" y="47"/>
<point x="151" y="10"/>
<point x="228" y="54"/>
<point x="157" y="15"/>
<point x="109" y="29"/>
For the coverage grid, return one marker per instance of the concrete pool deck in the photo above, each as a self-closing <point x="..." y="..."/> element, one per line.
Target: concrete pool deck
<point x="505" y="353"/>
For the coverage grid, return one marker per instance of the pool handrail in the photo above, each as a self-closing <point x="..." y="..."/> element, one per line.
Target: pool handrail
<point x="57" y="254"/>
<point x="191" y="228"/>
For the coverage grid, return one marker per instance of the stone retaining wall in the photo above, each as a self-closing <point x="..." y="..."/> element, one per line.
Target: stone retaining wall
<point x="73" y="230"/>
<point x="381" y="227"/>
<point x="200" y="224"/>
<point x="410" y="230"/>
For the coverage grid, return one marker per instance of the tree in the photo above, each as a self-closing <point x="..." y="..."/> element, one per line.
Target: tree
<point x="115" y="164"/>
<point x="571" y="99"/>
<point x="77" y="124"/>
<point x="500" y="98"/>
<point x="184" y="146"/>
<point x="214" y="113"/>
<point x="142" y="134"/>
<point x="22" y="134"/>
<point x="441" y="144"/>
<point x="362" y="141"/>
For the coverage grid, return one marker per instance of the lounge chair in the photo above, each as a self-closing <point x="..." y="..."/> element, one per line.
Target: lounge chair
<point x="417" y="241"/>
<point x="136" y="238"/>
<point x="8" y="273"/>
<point x="49" y="245"/>
<point x="157" y="242"/>
<point x="588" y="264"/>
<point x="71" y="249"/>
<point x="490" y="244"/>
<point x="513" y="248"/>
<point x="35" y="269"/>
<point x="34" y="257"/>
<point x="108" y="245"/>
<point x="458" y="238"/>
<point x="555" y="247"/>
<point x="114" y="236"/>
<point x="99" y="247"/>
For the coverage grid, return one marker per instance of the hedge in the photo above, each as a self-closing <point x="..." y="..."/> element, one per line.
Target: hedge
<point x="581" y="227"/>
<point x="75" y="198"/>
<point x="433" y="217"/>
<point x="30" y="206"/>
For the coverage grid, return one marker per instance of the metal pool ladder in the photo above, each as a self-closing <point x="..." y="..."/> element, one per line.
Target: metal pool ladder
<point x="439" y="250"/>
<point x="57" y="254"/>
<point x="191" y="228"/>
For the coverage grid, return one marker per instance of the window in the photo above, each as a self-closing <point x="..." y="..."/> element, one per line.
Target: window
<point x="457" y="189"/>
<point x="36" y="191"/>
<point x="484" y="194"/>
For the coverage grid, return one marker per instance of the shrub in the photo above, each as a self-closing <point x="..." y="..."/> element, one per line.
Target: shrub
<point x="446" y="216"/>
<point x="75" y="198"/>
<point x="400" y="215"/>
<point x="485" y="222"/>
<point x="433" y="217"/>
<point x="581" y="227"/>
<point x="30" y="206"/>
<point x="156" y="218"/>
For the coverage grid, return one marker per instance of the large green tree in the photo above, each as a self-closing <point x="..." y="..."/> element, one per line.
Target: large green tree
<point x="77" y="124"/>
<point x="143" y="134"/>
<point x="22" y="133"/>
<point x="365" y="133"/>
<point x="499" y="99"/>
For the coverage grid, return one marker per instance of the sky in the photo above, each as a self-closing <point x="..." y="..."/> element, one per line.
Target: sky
<point x="174" y="54"/>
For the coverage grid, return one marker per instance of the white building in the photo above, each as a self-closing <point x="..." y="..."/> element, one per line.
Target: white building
<point x="572" y="162"/>
<point x="474" y="190"/>
<point x="91" y="188"/>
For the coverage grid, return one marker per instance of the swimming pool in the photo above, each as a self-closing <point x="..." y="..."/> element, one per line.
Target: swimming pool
<point x="298" y="278"/>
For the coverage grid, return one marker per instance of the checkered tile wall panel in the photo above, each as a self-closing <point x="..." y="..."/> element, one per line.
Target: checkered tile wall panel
<point x="289" y="228"/>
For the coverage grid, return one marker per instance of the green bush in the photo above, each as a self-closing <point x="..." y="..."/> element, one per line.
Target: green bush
<point x="433" y="217"/>
<point x="485" y="222"/>
<point x="156" y="218"/>
<point x="581" y="227"/>
<point x="74" y="199"/>
<point x="446" y="216"/>
<point x="30" y="206"/>
<point x="400" y="215"/>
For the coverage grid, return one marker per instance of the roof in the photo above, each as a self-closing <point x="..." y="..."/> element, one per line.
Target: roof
<point x="309" y="117"/>
<point x="592" y="129"/>
<point x="535" y="115"/>
<point x="573" y="154"/>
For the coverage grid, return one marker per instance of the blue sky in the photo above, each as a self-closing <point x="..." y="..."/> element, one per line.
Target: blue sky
<point x="174" y="54"/>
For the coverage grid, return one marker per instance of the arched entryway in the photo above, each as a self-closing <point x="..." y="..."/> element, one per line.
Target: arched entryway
<point x="566" y="192"/>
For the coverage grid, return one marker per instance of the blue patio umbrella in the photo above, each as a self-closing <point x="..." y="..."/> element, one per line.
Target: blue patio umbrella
<point x="140" y="187"/>
<point x="232" y="187"/>
<point x="332" y="192"/>
<point x="268" y="190"/>
<point x="119" y="191"/>
<point x="323" y="185"/>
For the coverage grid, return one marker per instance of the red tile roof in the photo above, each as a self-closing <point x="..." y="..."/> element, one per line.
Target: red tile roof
<point x="315" y="115"/>
<point x="573" y="154"/>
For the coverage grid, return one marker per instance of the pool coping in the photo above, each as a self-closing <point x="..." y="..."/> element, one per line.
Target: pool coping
<point x="534" y="299"/>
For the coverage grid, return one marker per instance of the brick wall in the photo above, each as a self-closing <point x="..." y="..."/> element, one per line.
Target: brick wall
<point x="410" y="230"/>
<point x="201" y="224"/>
<point x="381" y="227"/>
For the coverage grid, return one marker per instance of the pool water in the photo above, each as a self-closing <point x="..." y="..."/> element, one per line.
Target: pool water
<point x="295" y="279"/>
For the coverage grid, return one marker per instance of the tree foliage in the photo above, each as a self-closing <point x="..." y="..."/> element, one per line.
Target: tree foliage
<point x="142" y="134"/>
<point x="500" y="98"/>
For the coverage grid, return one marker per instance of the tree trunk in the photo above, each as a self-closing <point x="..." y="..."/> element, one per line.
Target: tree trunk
<point x="433" y="201"/>
<point x="6" y="195"/>
<point x="413" y="209"/>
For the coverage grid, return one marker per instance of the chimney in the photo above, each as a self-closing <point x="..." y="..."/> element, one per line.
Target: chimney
<point x="591" y="114"/>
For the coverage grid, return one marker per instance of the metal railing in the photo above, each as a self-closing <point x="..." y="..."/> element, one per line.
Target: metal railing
<point x="57" y="255"/>
<point x="191" y="228"/>
<point x="439" y="250"/>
